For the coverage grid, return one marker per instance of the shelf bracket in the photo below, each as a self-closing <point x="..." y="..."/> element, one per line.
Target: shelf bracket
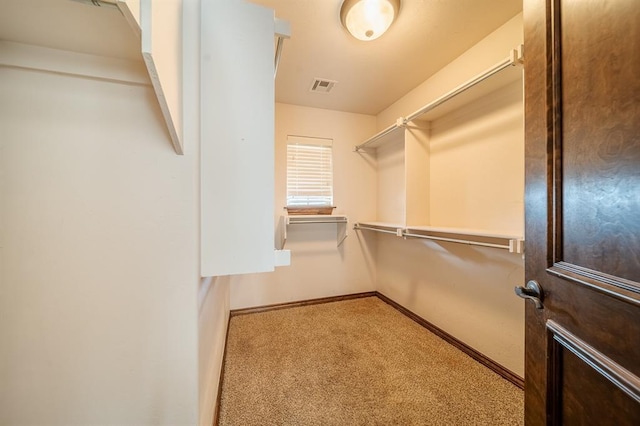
<point x="340" y="221"/>
<point x="282" y="32"/>
<point x="342" y="233"/>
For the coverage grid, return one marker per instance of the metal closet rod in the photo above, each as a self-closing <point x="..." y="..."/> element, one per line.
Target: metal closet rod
<point x="300" y="222"/>
<point x="512" y="60"/>
<point x="505" y="63"/>
<point x="455" y="240"/>
<point x="377" y="136"/>
<point x="369" y="228"/>
<point x="404" y="233"/>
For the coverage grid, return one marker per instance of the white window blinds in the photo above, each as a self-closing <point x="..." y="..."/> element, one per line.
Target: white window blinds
<point x="309" y="171"/>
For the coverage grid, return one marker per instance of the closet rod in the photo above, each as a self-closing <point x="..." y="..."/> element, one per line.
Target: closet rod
<point x="377" y="136"/>
<point x="368" y="228"/>
<point x="300" y="222"/>
<point x="511" y="60"/>
<point x="453" y="240"/>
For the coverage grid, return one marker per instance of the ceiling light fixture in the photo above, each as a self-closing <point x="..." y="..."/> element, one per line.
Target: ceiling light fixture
<point x="368" y="19"/>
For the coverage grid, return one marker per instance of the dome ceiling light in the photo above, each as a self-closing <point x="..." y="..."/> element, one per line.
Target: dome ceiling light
<point x="368" y="19"/>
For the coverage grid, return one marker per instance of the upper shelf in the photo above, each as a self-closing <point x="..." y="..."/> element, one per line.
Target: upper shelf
<point x="501" y="74"/>
<point x="73" y="26"/>
<point x="159" y="25"/>
<point x="117" y="34"/>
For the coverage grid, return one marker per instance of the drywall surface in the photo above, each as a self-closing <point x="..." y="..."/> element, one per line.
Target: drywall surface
<point x="477" y="164"/>
<point x="213" y="319"/>
<point x="466" y="291"/>
<point x="476" y="180"/>
<point x="483" y="55"/>
<point x="98" y="261"/>
<point x="318" y="267"/>
<point x="390" y="162"/>
<point x="213" y="293"/>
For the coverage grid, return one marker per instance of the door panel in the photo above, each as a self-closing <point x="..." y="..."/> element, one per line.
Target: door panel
<point x="582" y="127"/>
<point x="581" y="369"/>
<point x="596" y="100"/>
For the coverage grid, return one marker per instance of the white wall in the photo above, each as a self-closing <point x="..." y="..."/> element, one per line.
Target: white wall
<point x="390" y="163"/>
<point x="486" y="53"/>
<point x="466" y="291"/>
<point x="98" y="268"/>
<point x="319" y="268"/>
<point x="213" y="293"/>
<point x="213" y="319"/>
<point x="477" y="164"/>
<point x="476" y="180"/>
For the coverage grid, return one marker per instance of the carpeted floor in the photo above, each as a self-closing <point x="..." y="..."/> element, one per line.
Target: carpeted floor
<point x="355" y="362"/>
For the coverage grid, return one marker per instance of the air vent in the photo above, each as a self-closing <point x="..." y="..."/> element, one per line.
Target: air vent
<point x="322" y="85"/>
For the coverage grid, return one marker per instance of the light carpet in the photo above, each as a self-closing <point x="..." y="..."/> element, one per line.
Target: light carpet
<point x="355" y="362"/>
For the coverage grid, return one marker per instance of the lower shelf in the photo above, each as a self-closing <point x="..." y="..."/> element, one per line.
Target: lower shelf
<point x="316" y="219"/>
<point x="513" y="243"/>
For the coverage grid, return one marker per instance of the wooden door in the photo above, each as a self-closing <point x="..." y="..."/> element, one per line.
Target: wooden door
<point x="582" y="82"/>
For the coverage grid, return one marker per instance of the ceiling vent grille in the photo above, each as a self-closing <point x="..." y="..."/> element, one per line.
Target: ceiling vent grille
<point x="322" y="85"/>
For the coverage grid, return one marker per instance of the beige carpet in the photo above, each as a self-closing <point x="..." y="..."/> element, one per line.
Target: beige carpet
<point x="355" y="362"/>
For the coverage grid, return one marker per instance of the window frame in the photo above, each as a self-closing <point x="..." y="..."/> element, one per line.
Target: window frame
<point x="318" y="168"/>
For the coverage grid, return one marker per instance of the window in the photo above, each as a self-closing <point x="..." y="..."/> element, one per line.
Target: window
<point x="309" y="171"/>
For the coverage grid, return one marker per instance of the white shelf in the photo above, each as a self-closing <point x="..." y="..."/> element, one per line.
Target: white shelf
<point x="492" y="79"/>
<point x="513" y="243"/>
<point x="410" y="177"/>
<point x="102" y="40"/>
<point x="383" y="137"/>
<point x="506" y="76"/>
<point x="316" y="219"/>
<point x="465" y="231"/>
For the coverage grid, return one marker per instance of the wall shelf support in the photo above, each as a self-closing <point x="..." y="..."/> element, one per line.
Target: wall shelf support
<point x="341" y="221"/>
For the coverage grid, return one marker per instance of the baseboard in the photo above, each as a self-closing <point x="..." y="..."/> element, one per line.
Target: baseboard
<point x="482" y="359"/>
<point x="287" y="305"/>
<point x="216" y="413"/>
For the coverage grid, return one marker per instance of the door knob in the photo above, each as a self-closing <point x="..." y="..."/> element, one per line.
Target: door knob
<point x="531" y="291"/>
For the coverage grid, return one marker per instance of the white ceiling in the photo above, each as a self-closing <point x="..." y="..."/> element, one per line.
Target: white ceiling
<point x="427" y="35"/>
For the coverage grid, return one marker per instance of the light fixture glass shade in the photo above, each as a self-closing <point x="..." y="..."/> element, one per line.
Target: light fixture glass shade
<point x="368" y="19"/>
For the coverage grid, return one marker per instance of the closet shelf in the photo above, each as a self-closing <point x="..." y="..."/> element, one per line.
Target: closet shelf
<point x="499" y="75"/>
<point x="513" y="243"/>
<point x="316" y="219"/>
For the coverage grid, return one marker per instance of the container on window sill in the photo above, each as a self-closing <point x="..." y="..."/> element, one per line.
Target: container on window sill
<point x="310" y="210"/>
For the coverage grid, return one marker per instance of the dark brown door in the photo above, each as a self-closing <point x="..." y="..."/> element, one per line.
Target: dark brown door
<point x="582" y="83"/>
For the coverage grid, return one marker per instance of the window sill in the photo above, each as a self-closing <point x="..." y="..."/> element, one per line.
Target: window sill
<point x="310" y="210"/>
